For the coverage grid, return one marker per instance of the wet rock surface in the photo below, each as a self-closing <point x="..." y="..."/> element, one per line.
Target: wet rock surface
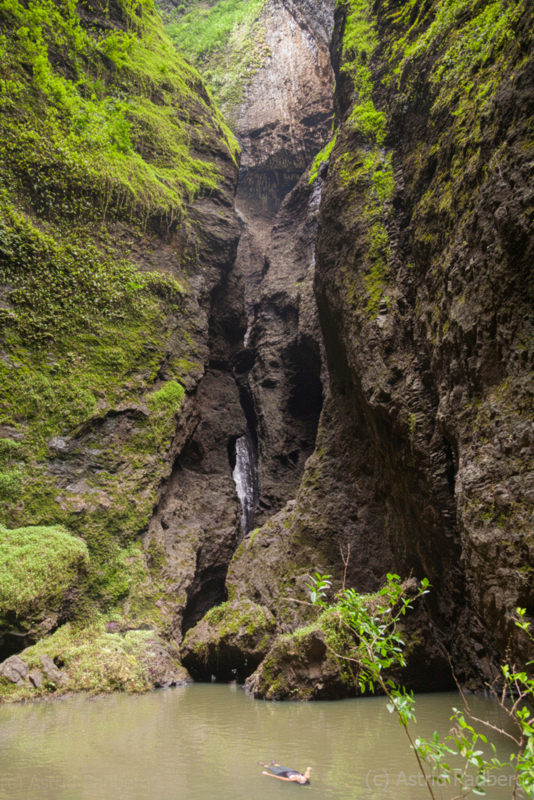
<point x="196" y="527"/>
<point x="280" y="371"/>
<point x="229" y="642"/>
<point x="163" y="667"/>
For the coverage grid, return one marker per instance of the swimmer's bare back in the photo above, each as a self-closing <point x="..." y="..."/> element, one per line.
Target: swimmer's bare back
<point x="286" y="774"/>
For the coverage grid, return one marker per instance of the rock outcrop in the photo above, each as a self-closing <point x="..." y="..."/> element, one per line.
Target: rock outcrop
<point x="94" y="660"/>
<point x="43" y="571"/>
<point x="230" y="642"/>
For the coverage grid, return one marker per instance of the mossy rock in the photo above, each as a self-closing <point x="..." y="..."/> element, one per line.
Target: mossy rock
<point x="229" y="642"/>
<point x="108" y="139"/>
<point x="42" y="572"/>
<point x="309" y="664"/>
<point x="95" y="659"/>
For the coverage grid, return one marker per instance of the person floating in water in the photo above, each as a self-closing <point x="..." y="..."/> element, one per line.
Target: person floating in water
<point x="285" y="774"/>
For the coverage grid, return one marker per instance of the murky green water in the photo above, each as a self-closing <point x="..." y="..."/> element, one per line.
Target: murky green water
<point x="203" y="742"/>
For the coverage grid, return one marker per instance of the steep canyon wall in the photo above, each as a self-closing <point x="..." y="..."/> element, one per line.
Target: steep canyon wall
<point x="281" y="109"/>
<point x="422" y="463"/>
<point x="121" y="314"/>
<point x="364" y="312"/>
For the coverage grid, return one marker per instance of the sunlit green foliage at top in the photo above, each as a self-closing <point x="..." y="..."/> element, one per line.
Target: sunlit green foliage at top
<point x="204" y="29"/>
<point x="226" y="42"/>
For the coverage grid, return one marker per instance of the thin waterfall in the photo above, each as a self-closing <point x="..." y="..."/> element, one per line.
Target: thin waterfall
<point x="245" y="475"/>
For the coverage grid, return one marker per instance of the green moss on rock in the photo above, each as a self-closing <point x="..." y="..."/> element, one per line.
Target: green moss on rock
<point x="230" y="640"/>
<point x="225" y="40"/>
<point x="38" y="566"/>
<point x="94" y="660"/>
<point x="317" y="661"/>
<point x="107" y="138"/>
<point x="320" y="159"/>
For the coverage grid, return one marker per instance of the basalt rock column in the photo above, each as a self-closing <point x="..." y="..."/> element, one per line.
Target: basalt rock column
<point x="423" y="283"/>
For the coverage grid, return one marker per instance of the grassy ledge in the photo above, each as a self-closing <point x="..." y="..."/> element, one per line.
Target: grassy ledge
<point x="226" y="42"/>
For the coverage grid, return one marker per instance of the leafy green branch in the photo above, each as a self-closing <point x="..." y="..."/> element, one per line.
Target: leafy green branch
<point x="372" y="621"/>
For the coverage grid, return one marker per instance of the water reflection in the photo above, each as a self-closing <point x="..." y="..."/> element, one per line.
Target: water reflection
<point x="204" y="741"/>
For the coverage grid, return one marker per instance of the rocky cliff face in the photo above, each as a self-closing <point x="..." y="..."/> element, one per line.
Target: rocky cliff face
<point x="422" y="463"/>
<point x="281" y="110"/>
<point x="284" y="121"/>
<point x="121" y="313"/>
<point x="424" y="253"/>
<point x="280" y="370"/>
<point x="268" y="65"/>
<point x="367" y="319"/>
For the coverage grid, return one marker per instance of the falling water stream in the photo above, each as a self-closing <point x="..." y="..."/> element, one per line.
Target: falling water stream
<point x="245" y="475"/>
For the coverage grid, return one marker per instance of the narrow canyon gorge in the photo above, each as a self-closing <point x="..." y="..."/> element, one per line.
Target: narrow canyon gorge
<point x="266" y="313"/>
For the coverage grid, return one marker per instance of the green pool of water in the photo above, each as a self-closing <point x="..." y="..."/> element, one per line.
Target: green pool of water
<point x="203" y="742"/>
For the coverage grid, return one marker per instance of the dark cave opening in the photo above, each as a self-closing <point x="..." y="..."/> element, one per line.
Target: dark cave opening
<point x="12" y="643"/>
<point x="209" y="591"/>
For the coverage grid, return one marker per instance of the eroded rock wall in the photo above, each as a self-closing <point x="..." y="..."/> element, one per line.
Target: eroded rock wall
<point x="286" y="114"/>
<point x="423" y="282"/>
<point x="283" y="121"/>
<point x="423" y="288"/>
<point x="281" y="109"/>
<point x="280" y="370"/>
